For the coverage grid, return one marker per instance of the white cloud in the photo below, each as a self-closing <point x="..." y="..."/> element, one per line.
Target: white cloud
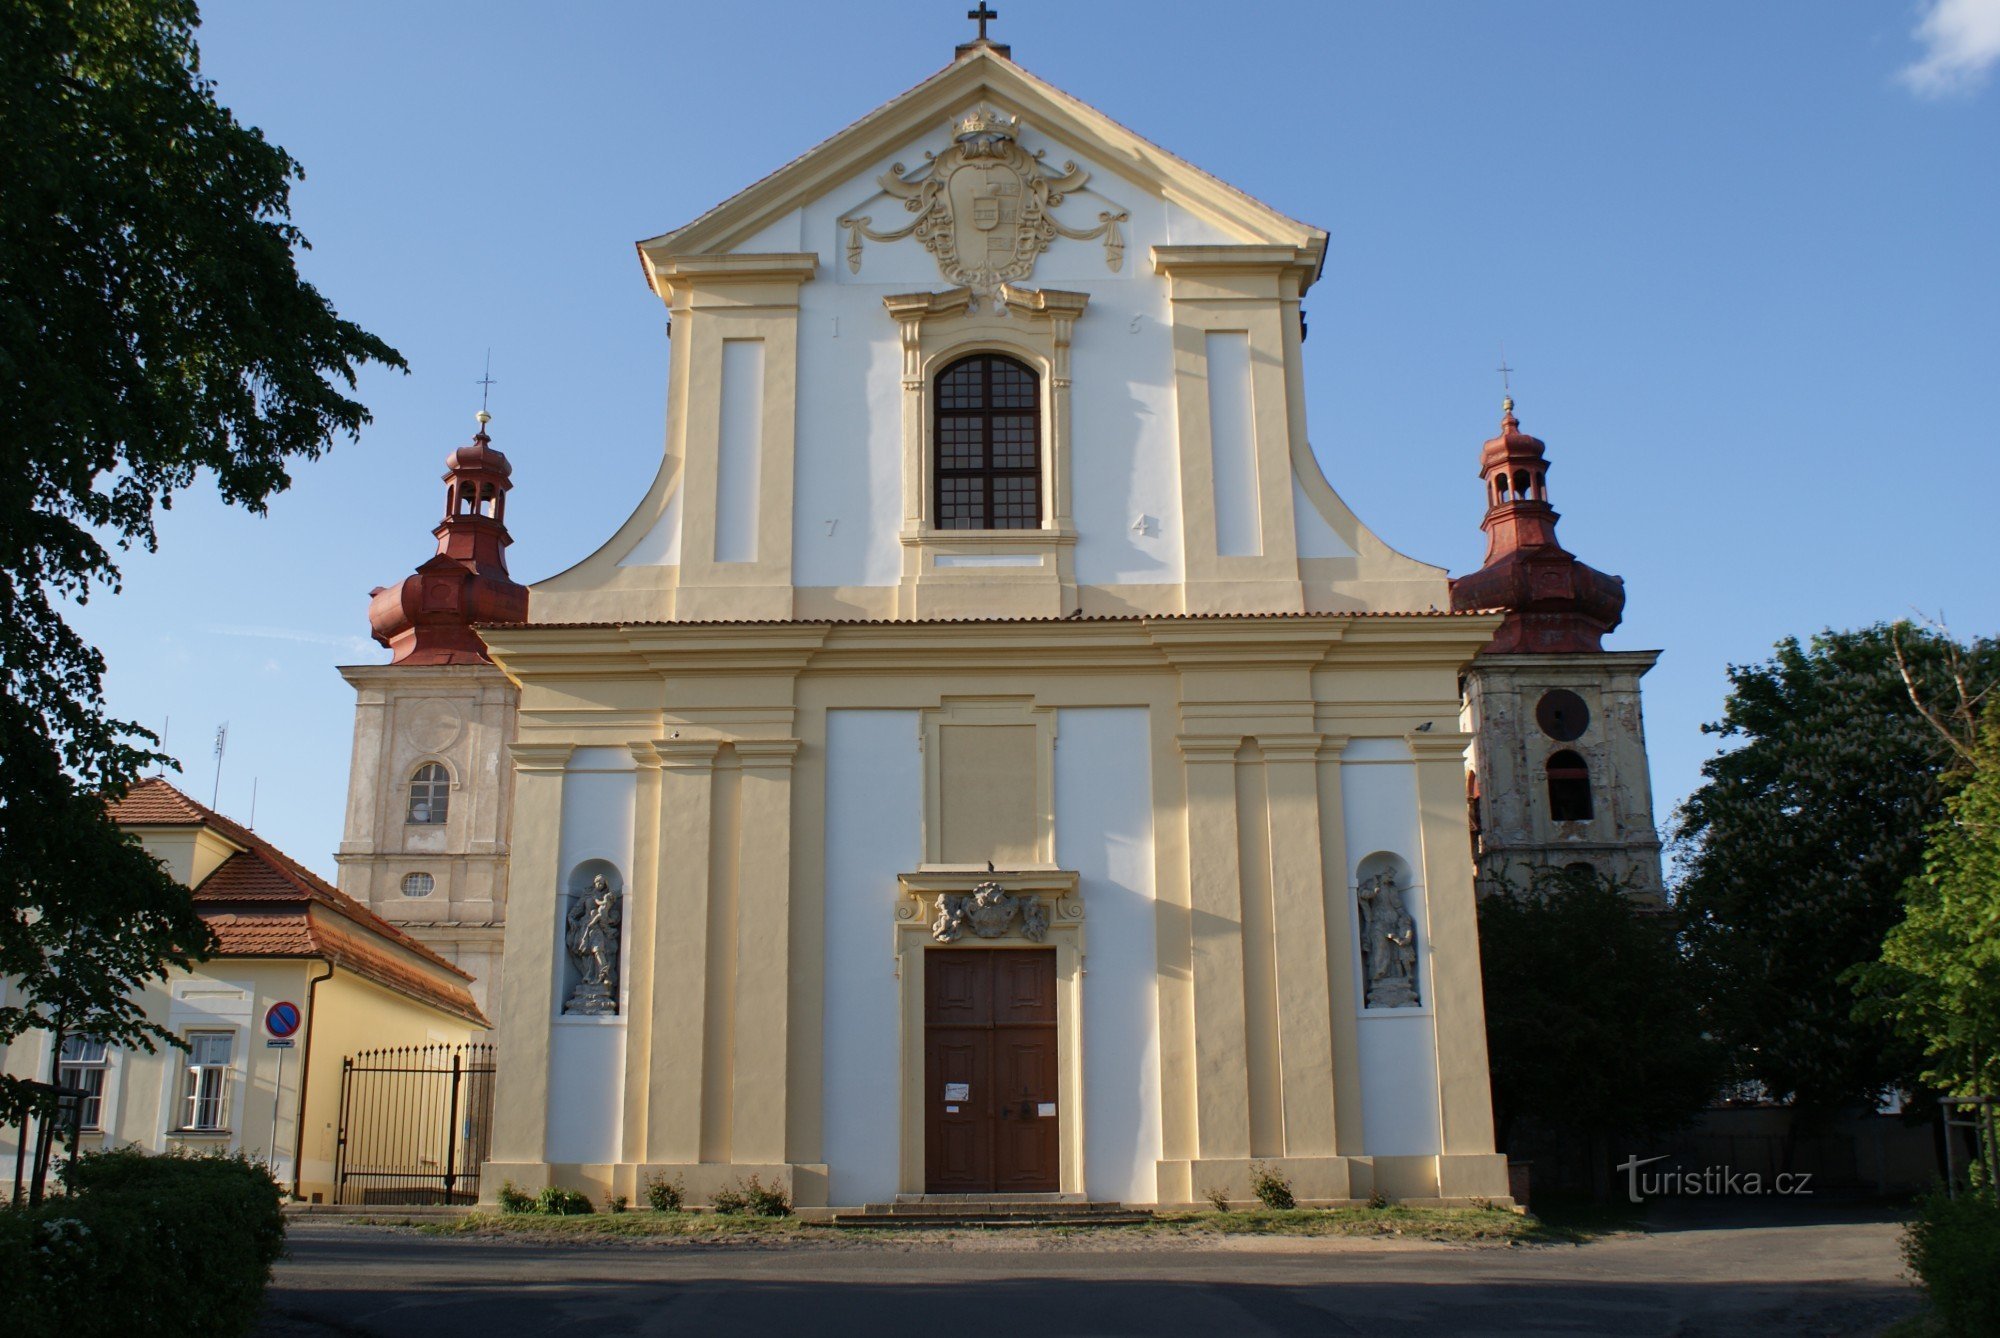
<point x="1961" y="41"/>
<point x="353" y="645"/>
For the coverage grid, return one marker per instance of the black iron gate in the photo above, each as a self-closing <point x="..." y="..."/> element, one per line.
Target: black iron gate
<point x="414" y="1124"/>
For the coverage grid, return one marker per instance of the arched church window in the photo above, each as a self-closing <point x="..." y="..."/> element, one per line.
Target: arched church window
<point x="1569" y="787"/>
<point x="430" y="795"/>
<point x="988" y="435"/>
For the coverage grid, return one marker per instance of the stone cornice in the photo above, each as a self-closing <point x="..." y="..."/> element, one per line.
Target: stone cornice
<point x="554" y="652"/>
<point x="541" y="757"/>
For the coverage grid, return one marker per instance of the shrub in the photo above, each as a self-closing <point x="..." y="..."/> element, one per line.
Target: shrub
<point x="771" y="1202"/>
<point x="1218" y="1198"/>
<point x="513" y="1200"/>
<point x="1273" y="1187"/>
<point x="163" y="1246"/>
<point x="1951" y="1245"/>
<point x="666" y="1196"/>
<point x="730" y="1200"/>
<point x="556" y="1201"/>
<point x="1378" y="1200"/>
<point x="618" y="1203"/>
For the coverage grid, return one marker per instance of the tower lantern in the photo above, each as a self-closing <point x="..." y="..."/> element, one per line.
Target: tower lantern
<point x="428" y="616"/>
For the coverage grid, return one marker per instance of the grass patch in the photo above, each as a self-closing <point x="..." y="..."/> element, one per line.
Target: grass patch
<point x="1466" y="1226"/>
<point x="1456" y="1225"/>
<point x="629" y="1226"/>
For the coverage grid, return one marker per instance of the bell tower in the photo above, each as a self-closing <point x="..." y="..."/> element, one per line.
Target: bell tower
<point x="430" y="790"/>
<point x="1559" y="777"/>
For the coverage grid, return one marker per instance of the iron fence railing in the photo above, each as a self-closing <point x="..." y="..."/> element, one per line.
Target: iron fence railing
<point x="415" y="1122"/>
<point x="1978" y="1116"/>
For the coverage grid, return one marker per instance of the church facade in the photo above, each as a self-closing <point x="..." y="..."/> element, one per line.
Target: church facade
<point x="991" y="759"/>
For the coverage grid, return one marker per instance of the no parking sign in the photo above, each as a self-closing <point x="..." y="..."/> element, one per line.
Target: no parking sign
<point x="281" y="1021"/>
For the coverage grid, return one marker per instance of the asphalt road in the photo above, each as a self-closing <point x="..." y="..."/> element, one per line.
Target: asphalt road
<point x="1827" y="1273"/>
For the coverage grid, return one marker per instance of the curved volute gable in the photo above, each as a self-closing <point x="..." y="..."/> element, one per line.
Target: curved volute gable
<point x="984" y="212"/>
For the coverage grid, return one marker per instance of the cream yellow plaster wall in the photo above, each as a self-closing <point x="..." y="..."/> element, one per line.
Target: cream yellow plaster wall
<point x="1253" y="917"/>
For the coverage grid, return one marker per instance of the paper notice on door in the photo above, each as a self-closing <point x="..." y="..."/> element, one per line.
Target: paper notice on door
<point x="1045" y="1108"/>
<point x="958" y="1091"/>
<point x="951" y="1110"/>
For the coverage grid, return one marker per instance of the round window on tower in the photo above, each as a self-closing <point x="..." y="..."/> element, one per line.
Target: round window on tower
<point x="1562" y="715"/>
<point x="418" y="884"/>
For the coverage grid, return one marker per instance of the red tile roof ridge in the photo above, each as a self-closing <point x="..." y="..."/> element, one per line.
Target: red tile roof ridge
<point x="157" y="790"/>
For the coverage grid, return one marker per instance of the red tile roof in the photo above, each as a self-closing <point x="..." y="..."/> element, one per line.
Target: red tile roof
<point x="260" y="902"/>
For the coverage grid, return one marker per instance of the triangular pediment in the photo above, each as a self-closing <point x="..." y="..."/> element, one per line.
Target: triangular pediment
<point x="980" y="75"/>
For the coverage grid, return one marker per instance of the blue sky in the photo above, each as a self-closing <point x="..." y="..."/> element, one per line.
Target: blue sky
<point x="1745" y="260"/>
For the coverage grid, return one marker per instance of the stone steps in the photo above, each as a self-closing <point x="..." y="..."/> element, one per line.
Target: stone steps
<point x="954" y="1210"/>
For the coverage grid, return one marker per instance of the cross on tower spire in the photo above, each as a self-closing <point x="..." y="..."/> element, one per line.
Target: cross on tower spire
<point x="981" y="15"/>
<point x="485" y="384"/>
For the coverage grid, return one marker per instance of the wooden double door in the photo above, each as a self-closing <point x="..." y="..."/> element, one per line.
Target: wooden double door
<point x="990" y="1123"/>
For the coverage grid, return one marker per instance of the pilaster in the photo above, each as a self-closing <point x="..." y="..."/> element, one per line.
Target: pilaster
<point x="1298" y="884"/>
<point x="1222" y="1080"/>
<point x="680" y="949"/>
<point x="642" y="910"/>
<point x="521" y="1092"/>
<point x="760" y="1094"/>
<point x="1464" y="1090"/>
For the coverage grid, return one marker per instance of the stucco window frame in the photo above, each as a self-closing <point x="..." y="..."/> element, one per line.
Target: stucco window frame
<point x="1021" y="572"/>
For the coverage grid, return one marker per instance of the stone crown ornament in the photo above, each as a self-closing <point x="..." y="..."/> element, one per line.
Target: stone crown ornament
<point x="985" y="207"/>
<point x="988" y="911"/>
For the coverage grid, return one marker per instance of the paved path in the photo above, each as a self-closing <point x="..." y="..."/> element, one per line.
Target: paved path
<point x="1832" y="1273"/>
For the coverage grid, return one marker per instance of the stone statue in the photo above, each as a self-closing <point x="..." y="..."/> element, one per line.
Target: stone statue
<point x="591" y="935"/>
<point x="1388" y="944"/>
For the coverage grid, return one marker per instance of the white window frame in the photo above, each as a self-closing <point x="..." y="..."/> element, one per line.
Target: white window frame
<point x="205" y="1085"/>
<point x="89" y="1069"/>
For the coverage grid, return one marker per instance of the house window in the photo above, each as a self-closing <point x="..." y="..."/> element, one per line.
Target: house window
<point x="82" y="1070"/>
<point x="430" y="795"/>
<point x="1569" y="787"/>
<point x="205" y="1091"/>
<point x="988" y="439"/>
<point x="418" y="884"/>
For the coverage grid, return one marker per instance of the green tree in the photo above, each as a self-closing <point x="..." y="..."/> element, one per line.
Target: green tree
<point x="1938" y="983"/>
<point x="1593" y="1013"/>
<point x="153" y="325"/>
<point x="1793" y="853"/>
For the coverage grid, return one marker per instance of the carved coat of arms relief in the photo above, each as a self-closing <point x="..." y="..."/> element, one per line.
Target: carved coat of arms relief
<point x="985" y="207"/>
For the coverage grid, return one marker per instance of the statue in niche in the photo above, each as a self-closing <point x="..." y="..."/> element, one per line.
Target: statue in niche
<point x="1388" y="944"/>
<point x="591" y="935"/>
<point x="988" y="911"/>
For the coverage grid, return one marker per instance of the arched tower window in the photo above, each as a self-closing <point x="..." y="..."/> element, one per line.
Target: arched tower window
<point x="988" y="435"/>
<point x="430" y="795"/>
<point x="1569" y="787"/>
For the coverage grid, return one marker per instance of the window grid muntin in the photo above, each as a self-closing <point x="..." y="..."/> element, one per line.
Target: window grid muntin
<point x="85" y="1061"/>
<point x="430" y="796"/>
<point x="205" y="1094"/>
<point x="987" y="445"/>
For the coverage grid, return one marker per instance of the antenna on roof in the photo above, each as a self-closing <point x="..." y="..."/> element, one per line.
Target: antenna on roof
<point x="166" y="724"/>
<point x="221" y="742"/>
<point x="252" y="824"/>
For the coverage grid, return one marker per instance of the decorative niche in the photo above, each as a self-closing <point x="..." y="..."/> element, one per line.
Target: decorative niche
<point x="1388" y="919"/>
<point x="593" y="940"/>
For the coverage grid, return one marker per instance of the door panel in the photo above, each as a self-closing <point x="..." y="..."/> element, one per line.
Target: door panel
<point x="990" y="1027"/>
<point x="1026" y="1151"/>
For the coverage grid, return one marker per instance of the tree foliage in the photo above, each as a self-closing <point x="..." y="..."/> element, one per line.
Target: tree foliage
<point x="153" y="326"/>
<point x="1593" y="1013"/>
<point x="1938" y="982"/>
<point x="1793" y="853"/>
